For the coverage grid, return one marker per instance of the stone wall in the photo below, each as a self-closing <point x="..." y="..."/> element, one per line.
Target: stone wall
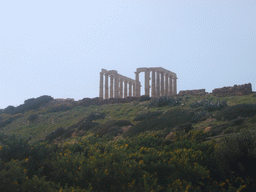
<point x="193" y="92"/>
<point x="236" y="90"/>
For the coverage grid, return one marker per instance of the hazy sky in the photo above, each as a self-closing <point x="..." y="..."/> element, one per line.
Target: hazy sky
<point x="58" y="47"/>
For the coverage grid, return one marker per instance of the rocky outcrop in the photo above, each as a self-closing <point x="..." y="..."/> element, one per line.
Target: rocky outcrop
<point x="236" y="90"/>
<point x="193" y="92"/>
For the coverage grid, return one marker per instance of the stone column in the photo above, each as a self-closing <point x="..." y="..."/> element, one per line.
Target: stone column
<point x="162" y="84"/>
<point x="133" y="89"/>
<point x="158" y="84"/>
<point x="121" y="88"/>
<point x="116" y="86"/>
<point x="111" y="86"/>
<point x="101" y="85"/>
<point x="170" y="86"/>
<point x="130" y="89"/>
<point x="125" y="88"/>
<point x="166" y="84"/>
<point x="175" y="85"/>
<point x="153" y="84"/>
<point x="137" y="79"/>
<point x="106" y="86"/>
<point x="147" y="83"/>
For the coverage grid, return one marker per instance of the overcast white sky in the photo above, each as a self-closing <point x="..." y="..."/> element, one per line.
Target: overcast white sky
<point x="58" y="47"/>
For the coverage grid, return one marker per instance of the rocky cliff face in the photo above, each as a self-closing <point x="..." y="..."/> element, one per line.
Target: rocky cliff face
<point x="236" y="90"/>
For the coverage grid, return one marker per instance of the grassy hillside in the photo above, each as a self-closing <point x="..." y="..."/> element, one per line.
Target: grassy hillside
<point x="196" y="110"/>
<point x="188" y="143"/>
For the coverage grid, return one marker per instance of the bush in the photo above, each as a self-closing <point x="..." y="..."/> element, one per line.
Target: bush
<point x="240" y="110"/>
<point x="12" y="175"/>
<point x="195" y="136"/>
<point x="111" y="128"/>
<point x="87" y="125"/>
<point x="95" y="116"/>
<point x="59" y="108"/>
<point x="68" y="133"/>
<point x="14" y="148"/>
<point x="209" y="105"/>
<point x="170" y="119"/>
<point x="147" y="115"/>
<point x="55" y="134"/>
<point x="237" y="121"/>
<point x="144" y="98"/>
<point x="186" y="127"/>
<point x="236" y="153"/>
<point x="39" y="185"/>
<point x="29" y="104"/>
<point x="200" y="116"/>
<point x="32" y="117"/>
<point x="218" y="129"/>
<point x="6" y="122"/>
<point x="9" y="110"/>
<point x="164" y="101"/>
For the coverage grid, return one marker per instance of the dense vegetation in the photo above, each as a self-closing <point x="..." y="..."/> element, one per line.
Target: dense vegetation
<point x="201" y="143"/>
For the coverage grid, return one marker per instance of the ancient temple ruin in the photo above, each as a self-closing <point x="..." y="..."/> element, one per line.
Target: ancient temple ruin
<point x="158" y="82"/>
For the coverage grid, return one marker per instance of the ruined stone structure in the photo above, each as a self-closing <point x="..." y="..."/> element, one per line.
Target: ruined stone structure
<point x="120" y="86"/>
<point x="163" y="83"/>
<point x="236" y="90"/>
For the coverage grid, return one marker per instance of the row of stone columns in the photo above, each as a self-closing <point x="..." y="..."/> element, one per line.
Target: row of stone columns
<point x="163" y="82"/>
<point x="163" y="85"/>
<point x="120" y="86"/>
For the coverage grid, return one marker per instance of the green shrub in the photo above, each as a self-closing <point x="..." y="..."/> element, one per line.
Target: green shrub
<point x="12" y="175"/>
<point x="39" y="185"/>
<point x="195" y="136"/>
<point x="32" y="117"/>
<point x="9" y="110"/>
<point x="237" y="121"/>
<point x="59" y="108"/>
<point x="170" y="119"/>
<point x="67" y="133"/>
<point x="236" y="153"/>
<point x="10" y="120"/>
<point x="95" y="116"/>
<point x="147" y="115"/>
<point x="218" y="129"/>
<point x="111" y="128"/>
<point x="37" y="162"/>
<point x="29" y="104"/>
<point x="200" y="115"/>
<point x="87" y="125"/>
<point x="55" y="134"/>
<point x="240" y="110"/>
<point x="164" y="101"/>
<point x="144" y="98"/>
<point x="14" y="148"/>
<point x="186" y="127"/>
<point x="210" y="105"/>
